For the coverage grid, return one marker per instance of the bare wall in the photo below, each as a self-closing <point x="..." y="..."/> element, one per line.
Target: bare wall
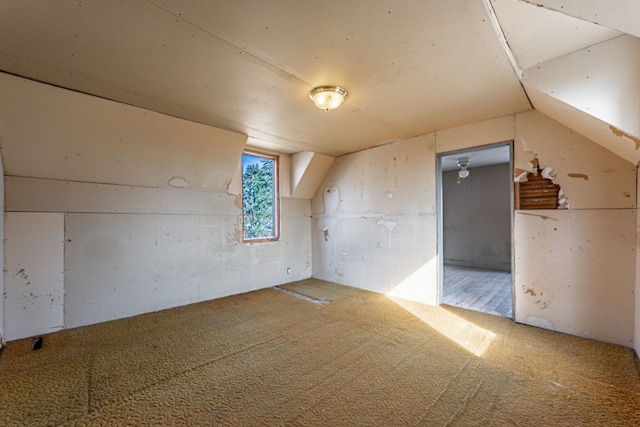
<point x="374" y="220"/>
<point x="2" y="286"/>
<point x="637" y="278"/>
<point x="375" y="225"/>
<point x="477" y="218"/>
<point x="136" y="208"/>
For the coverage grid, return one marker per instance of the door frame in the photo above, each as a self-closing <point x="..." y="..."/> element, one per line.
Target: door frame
<point x="439" y="215"/>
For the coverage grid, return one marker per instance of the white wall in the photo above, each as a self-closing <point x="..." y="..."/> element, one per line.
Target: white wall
<point x="596" y="236"/>
<point x="142" y="205"/>
<point x="637" y="299"/>
<point x="34" y="275"/>
<point x="374" y="220"/>
<point x="477" y="218"/>
<point x="145" y="217"/>
<point x="2" y="286"/>
<point x="575" y="272"/>
<point x="601" y="189"/>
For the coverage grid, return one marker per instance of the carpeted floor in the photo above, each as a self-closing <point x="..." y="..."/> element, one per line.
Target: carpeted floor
<point x="339" y="357"/>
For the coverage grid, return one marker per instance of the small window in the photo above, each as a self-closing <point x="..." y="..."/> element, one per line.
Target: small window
<point x="260" y="198"/>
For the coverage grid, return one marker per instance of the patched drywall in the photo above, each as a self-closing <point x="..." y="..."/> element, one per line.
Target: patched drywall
<point x="138" y="210"/>
<point x="54" y="133"/>
<point x="574" y="272"/>
<point x="126" y="264"/>
<point x="33" y="274"/>
<point x="590" y="176"/>
<point x="476" y="216"/>
<point x="374" y="222"/>
<point x="554" y="250"/>
<point x="362" y="210"/>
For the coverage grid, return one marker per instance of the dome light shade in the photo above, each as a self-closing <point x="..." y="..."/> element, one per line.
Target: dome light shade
<point x="463" y="164"/>
<point x="328" y="97"/>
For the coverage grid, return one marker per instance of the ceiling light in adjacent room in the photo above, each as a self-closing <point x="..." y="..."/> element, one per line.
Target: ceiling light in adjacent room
<point x="328" y="97"/>
<point x="463" y="163"/>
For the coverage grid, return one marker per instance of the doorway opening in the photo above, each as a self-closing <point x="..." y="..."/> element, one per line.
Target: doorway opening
<point x="475" y="211"/>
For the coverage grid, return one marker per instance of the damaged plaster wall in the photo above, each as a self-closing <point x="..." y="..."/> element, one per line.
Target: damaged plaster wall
<point x="590" y="176"/>
<point x="374" y="220"/>
<point x="138" y="204"/>
<point x="574" y="268"/>
<point x="554" y="248"/>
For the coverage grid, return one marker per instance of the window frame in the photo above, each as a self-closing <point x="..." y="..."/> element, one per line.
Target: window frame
<point x="276" y="196"/>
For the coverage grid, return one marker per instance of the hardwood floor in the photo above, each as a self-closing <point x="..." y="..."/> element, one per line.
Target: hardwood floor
<point x="479" y="290"/>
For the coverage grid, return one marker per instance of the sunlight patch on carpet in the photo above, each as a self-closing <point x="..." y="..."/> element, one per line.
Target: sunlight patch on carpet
<point x="464" y="333"/>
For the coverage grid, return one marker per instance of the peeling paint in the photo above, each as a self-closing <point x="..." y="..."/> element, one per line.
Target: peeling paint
<point x="578" y="175"/>
<point x="325" y="232"/>
<point x="520" y="175"/>
<point x="563" y="202"/>
<point x="619" y="132"/>
<point x="548" y="173"/>
<point x="535" y="163"/>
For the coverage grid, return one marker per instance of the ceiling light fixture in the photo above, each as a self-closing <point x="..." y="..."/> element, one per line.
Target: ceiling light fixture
<point x="328" y="97"/>
<point x="463" y="163"/>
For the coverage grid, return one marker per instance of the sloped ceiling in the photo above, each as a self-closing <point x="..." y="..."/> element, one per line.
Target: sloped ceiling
<point x="621" y="15"/>
<point x="411" y="67"/>
<point x="536" y="34"/>
<point x="583" y="75"/>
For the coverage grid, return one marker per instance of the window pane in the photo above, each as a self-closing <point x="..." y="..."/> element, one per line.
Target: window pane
<point x="259" y="197"/>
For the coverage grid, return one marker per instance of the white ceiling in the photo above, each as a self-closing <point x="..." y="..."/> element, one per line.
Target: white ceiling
<point x="486" y="156"/>
<point x="536" y="34"/>
<point x="411" y="67"/>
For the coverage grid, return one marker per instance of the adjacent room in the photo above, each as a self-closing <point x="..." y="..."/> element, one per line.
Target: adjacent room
<point x="476" y="229"/>
<point x="320" y="213"/>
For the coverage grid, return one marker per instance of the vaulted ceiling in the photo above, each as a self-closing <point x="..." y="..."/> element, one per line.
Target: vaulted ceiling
<point x="411" y="67"/>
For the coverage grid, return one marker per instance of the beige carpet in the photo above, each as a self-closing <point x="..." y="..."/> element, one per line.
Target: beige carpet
<point x="271" y="358"/>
